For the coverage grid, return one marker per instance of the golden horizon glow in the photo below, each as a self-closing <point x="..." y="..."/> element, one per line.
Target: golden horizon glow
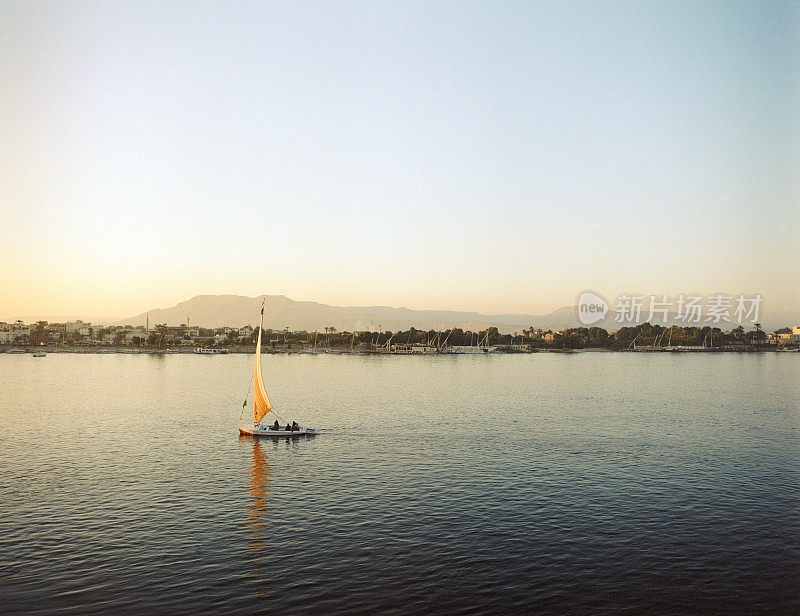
<point x="501" y="162"/>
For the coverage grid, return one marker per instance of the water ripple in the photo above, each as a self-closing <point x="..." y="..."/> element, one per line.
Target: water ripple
<point x="599" y="483"/>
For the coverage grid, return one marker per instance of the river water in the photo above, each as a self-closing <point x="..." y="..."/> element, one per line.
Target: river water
<point x="599" y="483"/>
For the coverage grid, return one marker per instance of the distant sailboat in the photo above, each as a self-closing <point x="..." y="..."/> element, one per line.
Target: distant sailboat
<point x="261" y="404"/>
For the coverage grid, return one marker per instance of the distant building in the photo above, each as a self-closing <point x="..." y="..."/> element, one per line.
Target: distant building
<point x="56" y="331"/>
<point x="793" y="338"/>
<point x="175" y="333"/>
<point x="14" y="333"/>
<point x="137" y="332"/>
<point x="71" y="327"/>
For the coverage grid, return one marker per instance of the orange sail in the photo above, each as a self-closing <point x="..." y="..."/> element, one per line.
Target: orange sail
<point x="261" y="403"/>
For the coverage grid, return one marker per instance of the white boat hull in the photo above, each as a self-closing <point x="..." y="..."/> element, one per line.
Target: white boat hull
<point x="253" y="431"/>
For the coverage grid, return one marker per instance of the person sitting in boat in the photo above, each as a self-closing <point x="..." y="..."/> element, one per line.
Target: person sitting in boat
<point x="275" y="426"/>
<point x="295" y="427"/>
<point x="288" y="427"/>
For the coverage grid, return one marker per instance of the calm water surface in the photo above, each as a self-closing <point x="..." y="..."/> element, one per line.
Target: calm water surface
<point x="591" y="483"/>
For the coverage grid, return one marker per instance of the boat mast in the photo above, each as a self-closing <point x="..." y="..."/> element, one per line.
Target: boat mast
<point x="447" y="337"/>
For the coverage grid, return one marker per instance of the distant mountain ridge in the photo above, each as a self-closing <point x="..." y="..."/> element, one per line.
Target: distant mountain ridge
<point x="214" y="311"/>
<point x="279" y="311"/>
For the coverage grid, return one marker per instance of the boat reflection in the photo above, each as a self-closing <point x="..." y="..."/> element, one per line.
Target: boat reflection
<point x="258" y="511"/>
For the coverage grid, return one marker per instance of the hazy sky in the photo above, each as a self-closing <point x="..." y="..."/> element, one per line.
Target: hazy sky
<point x="490" y="156"/>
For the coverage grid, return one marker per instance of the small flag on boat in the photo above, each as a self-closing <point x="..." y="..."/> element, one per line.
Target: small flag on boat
<point x="245" y="403"/>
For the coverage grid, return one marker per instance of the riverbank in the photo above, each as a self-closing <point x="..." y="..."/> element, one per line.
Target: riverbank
<point x="246" y="350"/>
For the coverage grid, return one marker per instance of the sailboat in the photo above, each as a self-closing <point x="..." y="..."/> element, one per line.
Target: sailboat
<point x="261" y="404"/>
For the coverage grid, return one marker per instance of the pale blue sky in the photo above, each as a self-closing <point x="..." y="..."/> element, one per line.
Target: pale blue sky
<point x="492" y="156"/>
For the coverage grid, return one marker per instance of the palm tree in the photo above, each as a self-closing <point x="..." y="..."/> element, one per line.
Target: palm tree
<point x="758" y="335"/>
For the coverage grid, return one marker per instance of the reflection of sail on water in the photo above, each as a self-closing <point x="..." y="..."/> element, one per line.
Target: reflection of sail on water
<point x="260" y="477"/>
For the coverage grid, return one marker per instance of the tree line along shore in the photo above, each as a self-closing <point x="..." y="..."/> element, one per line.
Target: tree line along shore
<point x="162" y="338"/>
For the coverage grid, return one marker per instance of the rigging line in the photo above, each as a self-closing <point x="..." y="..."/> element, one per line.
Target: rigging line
<point x="247" y="395"/>
<point x="274" y="412"/>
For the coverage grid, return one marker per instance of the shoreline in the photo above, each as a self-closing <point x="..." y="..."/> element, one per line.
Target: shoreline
<point x="101" y="350"/>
